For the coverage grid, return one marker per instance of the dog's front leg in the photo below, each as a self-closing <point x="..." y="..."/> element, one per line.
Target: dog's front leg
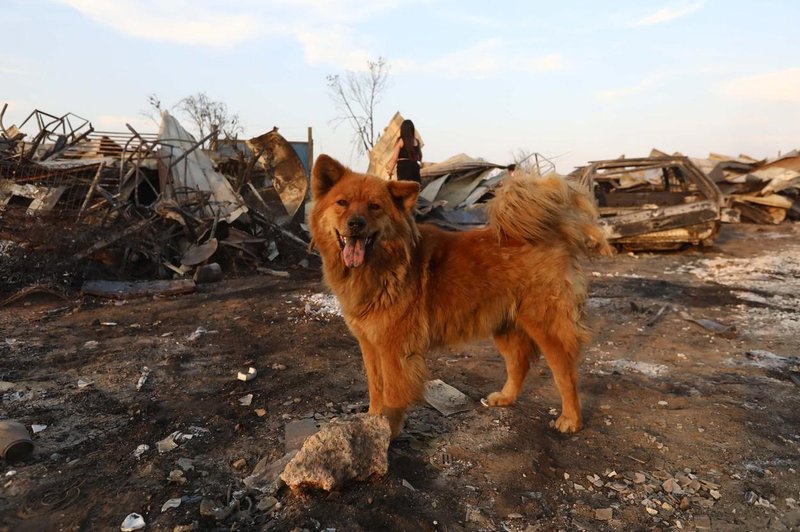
<point x="372" y="365"/>
<point x="404" y="376"/>
<point x="395" y="417"/>
<point x="379" y="373"/>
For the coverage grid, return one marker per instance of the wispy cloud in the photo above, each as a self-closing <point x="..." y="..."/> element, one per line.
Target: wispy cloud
<point x="667" y="14"/>
<point x="546" y="63"/>
<point x="178" y="21"/>
<point x="9" y="70"/>
<point x="337" y="11"/>
<point x="332" y="46"/>
<point x="483" y="59"/>
<point x="329" y="32"/>
<point x="619" y="93"/>
<point x="473" y="20"/>
<point x="325" y="29"/>
<point x="478" y="60"/>
<point x="780" y="86"/>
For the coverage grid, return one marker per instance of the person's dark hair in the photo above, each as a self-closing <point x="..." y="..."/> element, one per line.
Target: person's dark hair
<point x="409" y="141"/>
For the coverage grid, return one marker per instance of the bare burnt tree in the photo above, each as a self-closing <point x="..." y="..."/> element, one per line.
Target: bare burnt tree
<point x="153" y="111"/>
<point x="205" y="114"/>
<point x="356" y="94"/>
<point x="208" y="115"/>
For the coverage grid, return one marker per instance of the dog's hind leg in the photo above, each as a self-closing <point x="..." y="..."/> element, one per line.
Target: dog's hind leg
<point x="519" y="351"/>
<point x="560" y="344"/>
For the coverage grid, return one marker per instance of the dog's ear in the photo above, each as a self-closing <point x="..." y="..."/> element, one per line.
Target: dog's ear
<point x="404" y="193"/>
<point x="326" y="173"/>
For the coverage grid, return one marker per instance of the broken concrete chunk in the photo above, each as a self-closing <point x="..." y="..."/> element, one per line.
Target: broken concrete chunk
<point x="140" y="450"/>
<point x="342" y="451"/>
<point x="134" y="521"/>
<point x="176" y="476"/>
<point x="248" y="375"/>
<point x="168" y="443"/>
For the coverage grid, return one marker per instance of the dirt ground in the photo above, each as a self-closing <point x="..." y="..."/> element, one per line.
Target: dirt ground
<point x="685" y="427"/>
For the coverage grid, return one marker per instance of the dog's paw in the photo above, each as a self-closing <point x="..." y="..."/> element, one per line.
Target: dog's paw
<point x="498" y="399"/>
<point x="566" y="425"/>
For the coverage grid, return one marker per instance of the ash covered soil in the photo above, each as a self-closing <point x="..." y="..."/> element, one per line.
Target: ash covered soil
<point x="685" y="427"/>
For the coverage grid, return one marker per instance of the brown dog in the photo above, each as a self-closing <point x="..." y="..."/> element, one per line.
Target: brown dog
<point x="405" y="288"/>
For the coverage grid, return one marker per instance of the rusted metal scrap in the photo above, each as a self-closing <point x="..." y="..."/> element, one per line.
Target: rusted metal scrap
<point x="282" y="164"/>
<point x="55" y="134"/>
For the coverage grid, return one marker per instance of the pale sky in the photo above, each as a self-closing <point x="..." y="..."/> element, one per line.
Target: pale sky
<point x="575" y="81"/>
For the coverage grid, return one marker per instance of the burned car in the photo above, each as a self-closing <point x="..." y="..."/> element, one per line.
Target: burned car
<point x="661" y="202"/>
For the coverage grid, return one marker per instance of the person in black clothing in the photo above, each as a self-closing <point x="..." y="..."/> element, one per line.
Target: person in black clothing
<point x="407" y="154"/>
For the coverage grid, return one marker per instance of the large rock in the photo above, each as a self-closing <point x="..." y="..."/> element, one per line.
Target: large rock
<point x="342" y="451"/>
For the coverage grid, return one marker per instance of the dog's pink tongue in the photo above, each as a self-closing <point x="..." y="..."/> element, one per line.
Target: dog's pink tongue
<point x="353" y="253"/>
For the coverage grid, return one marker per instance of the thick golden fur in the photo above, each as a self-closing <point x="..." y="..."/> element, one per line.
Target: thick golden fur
<point x="405" y="289"/>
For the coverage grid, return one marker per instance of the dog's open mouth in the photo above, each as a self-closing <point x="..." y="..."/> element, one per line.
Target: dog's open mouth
<point x="354" y="249"/>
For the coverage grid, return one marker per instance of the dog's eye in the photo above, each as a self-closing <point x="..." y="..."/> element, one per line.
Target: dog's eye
<point x="342" y="203"/>
<point x="374" y="207"/>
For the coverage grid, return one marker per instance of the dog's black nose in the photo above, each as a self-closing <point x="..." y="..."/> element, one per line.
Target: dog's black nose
<point x="356" y="223"/>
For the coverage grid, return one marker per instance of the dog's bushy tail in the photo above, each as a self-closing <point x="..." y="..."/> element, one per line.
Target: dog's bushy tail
<point x="547" y="209"/>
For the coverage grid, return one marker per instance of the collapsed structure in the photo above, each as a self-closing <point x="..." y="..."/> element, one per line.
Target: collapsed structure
<point x="657" y="202"/>
<point x="665" y="201"/>
<point x="164" y="205"/>
<point x="157" y="205"/>
<point x="763" y="191"/>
